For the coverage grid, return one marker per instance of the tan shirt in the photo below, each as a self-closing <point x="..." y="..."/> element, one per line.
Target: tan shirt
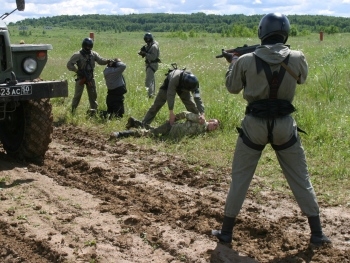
<point x="242" y="76"/>
<point x="79" y="61"/>
<point x="152" y="52"/>
<point x="174" y="86"/>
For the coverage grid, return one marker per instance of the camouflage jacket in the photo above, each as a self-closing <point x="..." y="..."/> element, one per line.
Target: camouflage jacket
<point x="186" y="124"/>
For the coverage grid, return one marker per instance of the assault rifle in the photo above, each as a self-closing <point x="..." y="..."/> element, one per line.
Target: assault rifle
<point x="239" y="50"/>
<point x="84" y="77"/>
<point x="142" y="51"/>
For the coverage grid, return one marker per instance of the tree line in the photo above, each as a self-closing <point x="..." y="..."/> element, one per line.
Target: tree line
<point x="226" y="25"/>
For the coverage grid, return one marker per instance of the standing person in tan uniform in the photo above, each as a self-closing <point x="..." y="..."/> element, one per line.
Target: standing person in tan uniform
<point x="186" y="86"/>
<point x="151" y="53"/>
<point x="82" y="63"/>
<point x="193" y="125"/>
<point x="268" y="78"/>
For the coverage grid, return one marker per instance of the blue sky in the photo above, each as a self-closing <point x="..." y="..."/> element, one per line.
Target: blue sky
<point x="46" y="8"/>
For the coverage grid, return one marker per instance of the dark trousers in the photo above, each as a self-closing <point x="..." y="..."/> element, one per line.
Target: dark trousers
<point x="115" y="102"/>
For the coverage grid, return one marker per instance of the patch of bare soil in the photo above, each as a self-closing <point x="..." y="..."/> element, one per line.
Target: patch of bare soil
<point x="93" y="200"/>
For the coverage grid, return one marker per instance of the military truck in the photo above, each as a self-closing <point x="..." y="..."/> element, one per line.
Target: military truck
<point x="25" y="109"/>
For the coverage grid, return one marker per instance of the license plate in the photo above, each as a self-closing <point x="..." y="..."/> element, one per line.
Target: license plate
<point x="16" y="91"/>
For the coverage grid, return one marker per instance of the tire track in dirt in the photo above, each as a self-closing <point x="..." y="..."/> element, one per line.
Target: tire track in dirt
<point x="154" y="206"/>
<point x="17" y="248"/>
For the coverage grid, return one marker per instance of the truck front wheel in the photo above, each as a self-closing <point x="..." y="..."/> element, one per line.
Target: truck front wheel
<point x="27" y="132"/>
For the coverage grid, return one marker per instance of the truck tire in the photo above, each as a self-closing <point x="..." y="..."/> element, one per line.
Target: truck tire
<point x="27" y="132"/>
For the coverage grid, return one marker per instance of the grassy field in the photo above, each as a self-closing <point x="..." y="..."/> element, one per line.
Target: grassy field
<point x="322" y="103"/>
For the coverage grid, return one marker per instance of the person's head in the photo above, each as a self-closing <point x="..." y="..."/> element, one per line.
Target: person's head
<point x="189" y="81"/>
<point x="113" y="63"/>
<point x="87" y="45"/>
<point x="273" y="28"/>
<point x="213" y="124"/>
<point x="148" y="38"/>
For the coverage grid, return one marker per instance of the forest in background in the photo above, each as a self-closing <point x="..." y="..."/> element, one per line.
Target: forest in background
<point x="226" y="25"/>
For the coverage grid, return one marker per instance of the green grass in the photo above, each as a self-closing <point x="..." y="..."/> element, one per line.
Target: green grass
<point x="322" y="102"/>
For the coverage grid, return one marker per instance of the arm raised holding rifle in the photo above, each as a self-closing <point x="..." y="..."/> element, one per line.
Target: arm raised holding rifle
<point x="229" y="54"/>
<point x="234" y="53"/>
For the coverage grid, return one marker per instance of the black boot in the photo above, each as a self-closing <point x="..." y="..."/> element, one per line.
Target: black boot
<point x="128" y="133"/>
<point x="122" y="134"/>
<point x="225" y="234"/>
<point x="133" y="123"/>
<point x="317" y="237"/>
<point x="130" y="123"/>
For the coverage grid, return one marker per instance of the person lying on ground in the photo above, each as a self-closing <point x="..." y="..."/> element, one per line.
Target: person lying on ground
<point x="192" y="125"/>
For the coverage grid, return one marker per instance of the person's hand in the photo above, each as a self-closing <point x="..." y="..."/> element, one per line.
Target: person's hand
<point x="230" y="57"/>
<point x="201" y="119"/>
<point x="171" y="117"/>
<point x="142" y="53"/>
<point x="227" y="56"/>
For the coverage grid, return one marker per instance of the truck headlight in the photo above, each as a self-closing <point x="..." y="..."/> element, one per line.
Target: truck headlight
<point x="29" y="65"/>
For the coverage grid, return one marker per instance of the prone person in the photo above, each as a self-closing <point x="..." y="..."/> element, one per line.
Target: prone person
<point x="193" y="125"/>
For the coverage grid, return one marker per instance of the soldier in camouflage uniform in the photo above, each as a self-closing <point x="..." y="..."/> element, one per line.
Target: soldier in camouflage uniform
<point x="186" y="86"/>
<point x="192" y="126"/>
<point x="83" y="64"/>
<point x="151" y="53"/>
<point x="268" y="78"/>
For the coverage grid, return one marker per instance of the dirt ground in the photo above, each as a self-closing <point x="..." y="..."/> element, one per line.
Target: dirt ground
<point x="93" y="200"/>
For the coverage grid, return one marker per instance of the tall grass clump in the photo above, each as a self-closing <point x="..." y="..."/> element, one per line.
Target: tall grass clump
<point x="322" y="102"/>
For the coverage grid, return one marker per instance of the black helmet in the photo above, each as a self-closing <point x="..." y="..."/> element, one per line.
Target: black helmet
<point x="148" y="38"/>
<point x="88" y="43"/>
<point x="274" y="24"/>
<point x="189" y="81"/>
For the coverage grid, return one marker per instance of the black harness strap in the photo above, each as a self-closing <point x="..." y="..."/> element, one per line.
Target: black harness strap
<point x="148" y="66"/>
<point x="270" y="108"/>
<point x="249" y="143"/>
<point x="274" y="80"/>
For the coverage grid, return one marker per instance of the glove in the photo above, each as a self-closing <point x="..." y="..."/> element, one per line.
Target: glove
<point x="230" y="56"/>
<point x="227" y="56"/>
<point x="142" y="53"/>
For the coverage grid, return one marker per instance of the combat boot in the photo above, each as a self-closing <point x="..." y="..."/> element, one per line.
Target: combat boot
<point x="225" y="234"/>
<point x="317" y="237"/>
<point x="122" y="134"/>
<point x="133" y="123"/>
<point x="130" y="123"/>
